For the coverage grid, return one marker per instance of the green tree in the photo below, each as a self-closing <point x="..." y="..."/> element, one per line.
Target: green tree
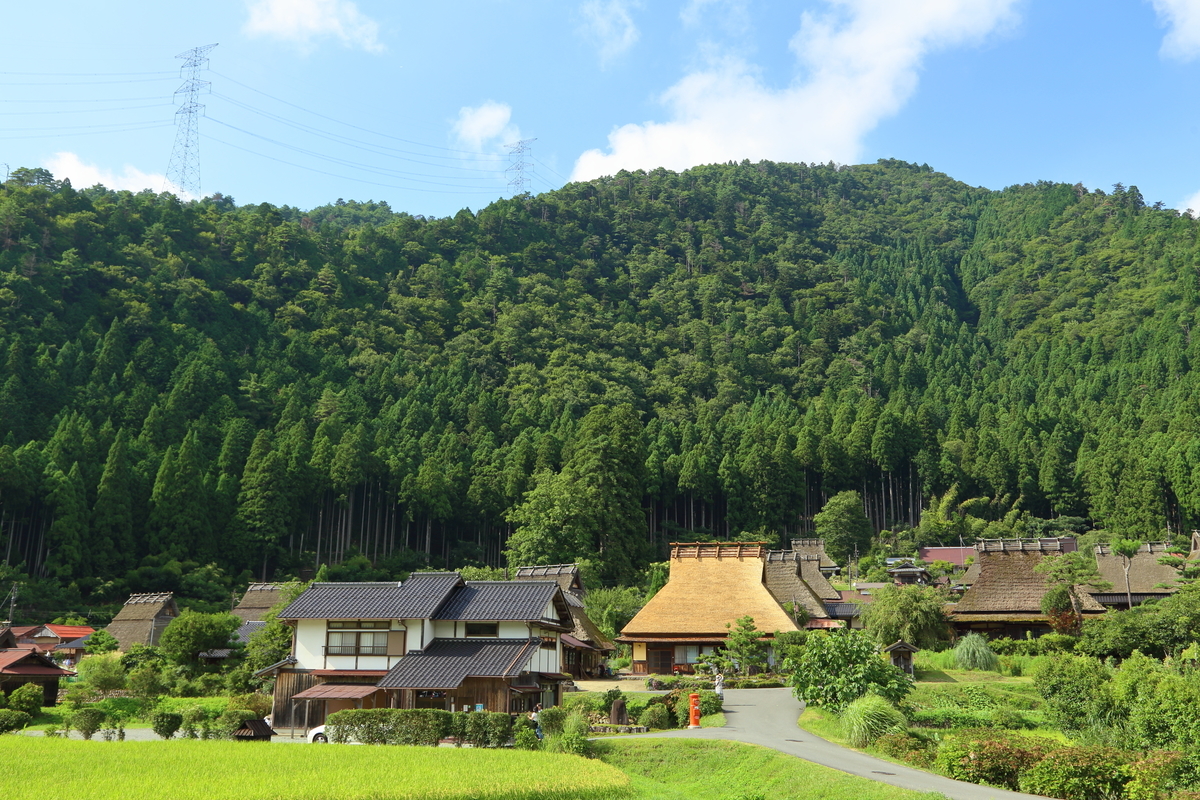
<point x="192" y="633"/>
<point x="915" y="614"/>
<point x="101" y="642"/>
<point x="1066" y="575"/>
<point x="838" y="667"/>
<point x="745" y="646"/>
<point x="843" y="526"/>
<point x="1126" y="549"/>
<point x="103" y="673"/>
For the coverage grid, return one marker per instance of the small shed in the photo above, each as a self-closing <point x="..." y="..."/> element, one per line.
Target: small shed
<point x="901" y="654"/>
<point x="254" y="730"/>
<point x="20" y="666"/>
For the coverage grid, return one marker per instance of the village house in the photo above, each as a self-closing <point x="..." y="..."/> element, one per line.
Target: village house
<point x="1148" y="579"/>
<point x="43" y="638"/>
<point x="1005" y="599"/>
<point x="20" y="666"/>
<point x="585" y="648"/>
<point x="708" y="587"/>
<point x="790" y="577"/>
<point x="143" y="618"/>
<point x="252" y="609"/>
<point x="432" y="641"/>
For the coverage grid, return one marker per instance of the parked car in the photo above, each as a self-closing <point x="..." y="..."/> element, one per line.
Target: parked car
<point x="318" y="736"/>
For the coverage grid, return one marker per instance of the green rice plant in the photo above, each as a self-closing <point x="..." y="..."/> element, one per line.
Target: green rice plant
<point x="868" y="718"/>
<point x="972" y="652"/>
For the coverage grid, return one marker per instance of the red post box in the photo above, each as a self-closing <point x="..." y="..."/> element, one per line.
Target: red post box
<point x="694" y="707"/>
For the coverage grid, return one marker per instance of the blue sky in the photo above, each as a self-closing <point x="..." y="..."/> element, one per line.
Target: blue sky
<point x="413" y="103"/>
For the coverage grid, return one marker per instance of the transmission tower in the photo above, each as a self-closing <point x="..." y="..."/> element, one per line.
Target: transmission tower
<point x="518" y="182"/>
<point x="183" y="172"/>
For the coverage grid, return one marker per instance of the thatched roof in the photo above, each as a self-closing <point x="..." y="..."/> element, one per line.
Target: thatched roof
<point x="786" y="585"/>
<point x="567" y="576"/>
<point x="1060" y="544"/>
<point x="257" y="601"/>
<point x="1007" y="583"/>
<point x="708" y="586"/>
<point x="814" y="547"/>
<point x="586" y="630"/>
<point x="1145" y="573"/>
<point x="143" y="618"/>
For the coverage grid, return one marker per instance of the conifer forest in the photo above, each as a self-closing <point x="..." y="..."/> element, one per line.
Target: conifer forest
<point x="194" y="394"/>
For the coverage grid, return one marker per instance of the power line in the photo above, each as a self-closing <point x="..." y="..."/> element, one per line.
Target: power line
<point x="86" y="74"/>
<point x="184" y="167"/>
<point x="518" y="183"/>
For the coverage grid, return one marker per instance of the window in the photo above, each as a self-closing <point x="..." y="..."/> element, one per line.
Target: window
<point x="357" y="637"/>
<point x="483" y="629"/>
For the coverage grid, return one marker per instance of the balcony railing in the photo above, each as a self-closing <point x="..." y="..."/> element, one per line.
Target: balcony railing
<point x="352" y="650"/>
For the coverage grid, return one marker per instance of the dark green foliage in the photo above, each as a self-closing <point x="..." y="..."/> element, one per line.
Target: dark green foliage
<point x="165" y="723"/>
<point x="191" y="634"/>
<point x="13" y="720"/>
<point x="28" y="698"/>
<point x="656" y="716"/>
<point x="993" y="757"/>
<point x="908" y="748"/>
<point x="101" y="642"/>
<point x="420" y="726"/>
<point x="552" y="720"/>
<point x="1078" y="773"/>
<point x="915" y="614"/>
<point x="87" y="721"/>
<point x="844" y="526"/>
<point x="526" y="739"/>
<point x="836" y="668"/>
<point x="1076" y="690"/>
<point x="1158" y="629"/>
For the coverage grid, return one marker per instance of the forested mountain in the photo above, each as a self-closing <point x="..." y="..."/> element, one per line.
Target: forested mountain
<point x="190" y="391"/>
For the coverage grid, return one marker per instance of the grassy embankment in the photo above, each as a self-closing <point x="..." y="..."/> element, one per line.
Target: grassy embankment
<point x="213" y="770"/>
<point x="681" y="769"/>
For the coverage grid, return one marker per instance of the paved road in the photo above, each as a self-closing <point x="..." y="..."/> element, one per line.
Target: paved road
<point x="768" y="717"/>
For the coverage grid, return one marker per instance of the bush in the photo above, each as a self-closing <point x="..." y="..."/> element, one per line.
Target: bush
<point x="165" y="723"/>
<point x="992" y="757"/>
<point x="1078" y="773"/>
<point x="837" y="667"/>
<point x="233" y="718"/>
<point x="411" y="726"/>
<point x="571" y="743"/>
<point x="576" y="724"/>
<point x="257" y="702"/>
<point x="905" y="747"/>
<point x="3" y="700"/>
<point x="655" y="716"/>
<point x="552" y="720"/>
<point x="194" y="718"/>
<point x="949" y="718"/>
<point x="972" y="652"/>
<point x="868" y="718"/>
<point x="28" y="698"/>
<point x="12" y="720"/>
<point x="87" y="721"/>
<point x="526" y="739"/>
<point x="1160" y="774"/>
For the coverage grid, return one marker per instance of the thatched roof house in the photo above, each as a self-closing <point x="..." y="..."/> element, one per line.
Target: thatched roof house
<point x="815" y="548"/>
<point x="566" y="575"/>
<point x="786" y="583"/>
<point x="1006" y="599"/>
<point x="143" y="618"/>
<point x="257" y="601"/>
<point x="1148" y="579"/>
<point x="709" y="586"/>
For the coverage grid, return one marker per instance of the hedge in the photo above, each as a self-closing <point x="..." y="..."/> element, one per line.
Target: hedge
<point x="11" y="720"/>
<point x="418" y="726"/>
<point x="989" y="756"/>
<point x="1078" y="773"/>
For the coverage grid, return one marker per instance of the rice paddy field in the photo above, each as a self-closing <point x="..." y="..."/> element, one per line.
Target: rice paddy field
<point x="217" y="770"/>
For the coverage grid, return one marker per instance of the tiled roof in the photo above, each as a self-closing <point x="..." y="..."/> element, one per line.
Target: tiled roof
<point x="499" y="600"/>
<point x="446" y="663"/>
<point x="69" y="632"/>
<point x="417" y="598"/>
<point x="19" y="661"/>
<point x="843" y="610"/>
<point x="241" y="636"/>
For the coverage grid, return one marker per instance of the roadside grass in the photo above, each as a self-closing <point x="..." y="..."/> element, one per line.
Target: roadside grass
<point x="716" y="720"/>
<point x="215" y="770"/>
<point x="683" y="769"/>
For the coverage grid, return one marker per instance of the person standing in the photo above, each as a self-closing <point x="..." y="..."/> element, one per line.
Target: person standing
<point x="719" y="685"/>
<point x="536" y="716"/>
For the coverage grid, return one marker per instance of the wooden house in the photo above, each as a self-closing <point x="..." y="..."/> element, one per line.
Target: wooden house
<point x="143" y="618"/>
<point x="708" y="587"/>
<point x="433" y="641"/>
<point x="1006" y="598"/>
<point x="585" y="648"/>
<point x="20" y="666"/>
<point x="1148" y="579"/>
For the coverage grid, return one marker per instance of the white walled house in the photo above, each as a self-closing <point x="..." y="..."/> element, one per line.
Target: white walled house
<point x="433" y="641"/>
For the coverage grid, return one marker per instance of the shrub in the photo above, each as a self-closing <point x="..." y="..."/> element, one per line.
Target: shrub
<point x="837" y="667"/>
<point x="1009" y="719"/>
<point x="412" y="726"/>
<point x="576" y="724"/>
<point x="259" y="703"/>
<point x="904" y="746"/>
<point x="194" y="718"/>
<point x="710" y="703"/>
<point x="165" y="723"/>
<point x="992" y="757"/>
<point x="655" y="716"/>
<point x="1161" y="774"/>
<point x="12" y="720"/>
<point x="949" y="718"/>
<point x="3" y="700"/>
<point x="868" y="718"/>
<point x="1077" y="773"/>
<point x="526" y="739"/>
<point x="571" y="743"/>
<point x="231" y="719"/>
<point x="28" y="698"/>
<point x="87" y="721"/>
<point x="972" y="652"/>
<point x="552" y="720"/>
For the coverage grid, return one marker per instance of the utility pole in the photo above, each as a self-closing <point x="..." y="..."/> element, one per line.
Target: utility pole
<point x="183" y="171"/>
<point x="12" y="604"/>
<point x="518" y="183"/>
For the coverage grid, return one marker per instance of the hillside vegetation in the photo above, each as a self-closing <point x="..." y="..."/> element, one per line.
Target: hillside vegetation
<point x="191" y="393"/>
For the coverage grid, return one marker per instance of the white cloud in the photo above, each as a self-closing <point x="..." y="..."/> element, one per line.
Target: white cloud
<point x="303" y="21"/>
<point x="858" y="61"/>
<point x="1191" y="204"/>
<point x="1183" y="17"/>
<point x="485" y="122"/>
<point x="609" y="24"/>
<point x="69" y="165"/>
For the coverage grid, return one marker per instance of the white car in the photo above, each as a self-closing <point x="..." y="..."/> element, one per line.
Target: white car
<point x="318" y="736"/>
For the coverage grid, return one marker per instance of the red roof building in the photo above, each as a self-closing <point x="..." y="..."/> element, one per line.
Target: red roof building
<point x="20" y="666"/>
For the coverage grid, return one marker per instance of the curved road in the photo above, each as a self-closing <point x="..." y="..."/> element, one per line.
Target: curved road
<point x="768" y="717"/>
